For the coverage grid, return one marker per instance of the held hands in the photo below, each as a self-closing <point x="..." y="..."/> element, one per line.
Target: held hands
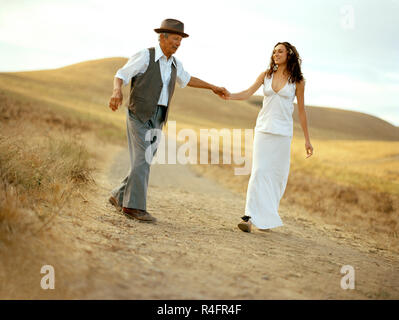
<point x="221" y="92"/>
<point x="309" y="149"/>
<point x="116" y="99"/>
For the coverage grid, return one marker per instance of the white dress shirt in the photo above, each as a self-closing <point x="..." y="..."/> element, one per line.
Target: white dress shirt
<point x="139" y="62"/>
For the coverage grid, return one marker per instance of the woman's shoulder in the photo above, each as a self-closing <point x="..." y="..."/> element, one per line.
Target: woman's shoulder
<point x="261" y="78"/>
<point x="265" y="76"/>
<point x="300" y="83"/>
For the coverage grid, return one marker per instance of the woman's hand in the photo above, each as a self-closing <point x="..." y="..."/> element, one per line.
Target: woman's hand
<point x="221" y="92"/>
<point x="309" y="149"/>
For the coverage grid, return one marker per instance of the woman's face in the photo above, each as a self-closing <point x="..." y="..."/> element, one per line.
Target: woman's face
<point x="280" y="54"/>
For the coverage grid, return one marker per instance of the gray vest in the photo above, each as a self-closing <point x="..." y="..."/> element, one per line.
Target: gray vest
<point x="146" y="89"/>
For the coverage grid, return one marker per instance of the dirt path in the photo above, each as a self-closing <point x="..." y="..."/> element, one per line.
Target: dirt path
<point x="195" y="251"/>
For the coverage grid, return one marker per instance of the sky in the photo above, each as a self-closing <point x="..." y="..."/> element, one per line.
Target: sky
<point x="349" y="48"/>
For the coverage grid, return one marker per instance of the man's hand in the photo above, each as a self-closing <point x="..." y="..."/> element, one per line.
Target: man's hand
<point x="116" y="99"/>
<point x="221" y="92"/>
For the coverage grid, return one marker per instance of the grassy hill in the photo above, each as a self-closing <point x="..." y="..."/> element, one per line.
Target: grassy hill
<point x="85" y="87"/>
<point x="355" y="167"/>
<point x="57" y="137"/>
<point x="333" y="123"/>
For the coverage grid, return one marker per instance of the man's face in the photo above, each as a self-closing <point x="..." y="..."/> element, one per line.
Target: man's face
<point x="171" y="43"/>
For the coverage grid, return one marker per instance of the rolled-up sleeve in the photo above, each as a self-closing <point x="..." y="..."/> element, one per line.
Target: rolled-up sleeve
<point x="183" y="77"/>
<point x="138" y="63"/>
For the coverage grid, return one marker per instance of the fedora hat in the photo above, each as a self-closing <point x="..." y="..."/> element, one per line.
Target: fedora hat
<point x="172" y="26"/>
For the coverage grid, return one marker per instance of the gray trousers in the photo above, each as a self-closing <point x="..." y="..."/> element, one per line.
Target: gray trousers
<point x="132" y="192"/>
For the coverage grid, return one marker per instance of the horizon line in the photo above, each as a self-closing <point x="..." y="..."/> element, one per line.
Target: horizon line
<point x="257" y="95"/>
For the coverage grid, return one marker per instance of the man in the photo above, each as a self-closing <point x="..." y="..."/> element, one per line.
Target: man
<point x="153" y="73"/>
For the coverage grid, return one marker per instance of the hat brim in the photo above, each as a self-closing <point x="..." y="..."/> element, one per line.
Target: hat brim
<point x="160" y="30"/>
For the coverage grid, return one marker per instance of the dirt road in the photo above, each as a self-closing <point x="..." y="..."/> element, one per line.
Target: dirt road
<point x="195" y="250"/>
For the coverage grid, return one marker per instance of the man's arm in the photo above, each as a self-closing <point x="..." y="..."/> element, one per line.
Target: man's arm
<point x="136" y="64"/>
<point x="198" y="83"/>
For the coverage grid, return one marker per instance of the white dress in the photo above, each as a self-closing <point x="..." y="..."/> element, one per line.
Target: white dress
<point x="271" y="155"/>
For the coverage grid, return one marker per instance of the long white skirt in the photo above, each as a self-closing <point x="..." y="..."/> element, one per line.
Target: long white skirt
<point x="269" y="175"/>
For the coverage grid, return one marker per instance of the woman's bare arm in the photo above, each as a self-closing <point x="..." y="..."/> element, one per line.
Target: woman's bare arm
<point x="244" y="95"/>
<point x="300" y="93"/>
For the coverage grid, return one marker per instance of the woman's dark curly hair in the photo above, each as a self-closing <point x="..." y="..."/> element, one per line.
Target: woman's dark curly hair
<point x="293" y="63"/>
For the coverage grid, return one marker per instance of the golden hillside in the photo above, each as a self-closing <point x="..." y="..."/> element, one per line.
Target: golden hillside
<point x="332" y="123"/>
<point x="86" y="87"/>
<point x="62" y="150"/>
<point x="343" y="140"/>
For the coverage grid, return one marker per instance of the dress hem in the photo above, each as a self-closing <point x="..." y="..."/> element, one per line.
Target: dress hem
<point x="259" y="226"/>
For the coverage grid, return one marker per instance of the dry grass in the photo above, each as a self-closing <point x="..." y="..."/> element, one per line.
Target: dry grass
<point x="339" y="124"/>
<point x="43" y="165"/>
<point x="351" y="181"/>
<point x="359" y="194"/>
<point x="370" y="165"/>
<point x="44" y="169"/>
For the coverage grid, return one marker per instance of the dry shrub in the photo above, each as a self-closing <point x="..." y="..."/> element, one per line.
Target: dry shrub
<point x="70" y="160"/>
<point x="354" y="209"/>
<point x="13" y="220"/>
<point x="347" y="194"/>
<point x="41" y="169"/>
<point x="37" y="164"/>
<point x="384" y="202"/>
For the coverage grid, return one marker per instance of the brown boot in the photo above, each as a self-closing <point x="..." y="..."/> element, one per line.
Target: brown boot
<point x="138" y="214"/>
<point x="114" y="202"/>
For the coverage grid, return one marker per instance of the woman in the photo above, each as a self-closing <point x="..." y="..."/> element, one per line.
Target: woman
<point x="282" y="81"/>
